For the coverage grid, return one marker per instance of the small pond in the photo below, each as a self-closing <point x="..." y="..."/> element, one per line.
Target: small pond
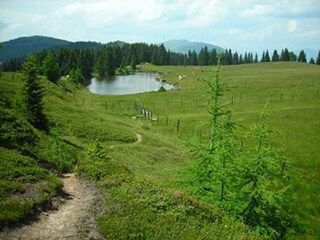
<point x="128" y="84"/>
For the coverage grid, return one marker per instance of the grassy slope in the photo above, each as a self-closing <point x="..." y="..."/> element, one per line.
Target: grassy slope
<point x="152" y="171"/>
<point x="291" y="91"/>
<point x="133" y="178"/>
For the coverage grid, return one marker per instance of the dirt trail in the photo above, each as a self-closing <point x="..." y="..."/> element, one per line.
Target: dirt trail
<point x="139" y="140"/>
<point x="139" y="136"/>
<point x="73" y="219"/>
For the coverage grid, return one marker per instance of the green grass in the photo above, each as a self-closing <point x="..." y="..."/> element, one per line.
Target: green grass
<point x="140" y="210"/>
<point x="291" y="91"/>
<point x="24" y="186"/>
<point x="141" y="179"/>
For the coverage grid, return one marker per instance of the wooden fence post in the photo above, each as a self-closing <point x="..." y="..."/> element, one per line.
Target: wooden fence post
<point x="178" y="125"/>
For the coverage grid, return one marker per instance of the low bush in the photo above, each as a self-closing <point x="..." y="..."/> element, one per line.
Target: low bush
<point x="24" y="186"/>
<point x="141" y="210"/>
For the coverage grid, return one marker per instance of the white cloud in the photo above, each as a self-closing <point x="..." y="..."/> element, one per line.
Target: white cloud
<point x="292" y="26"/>
<point x="230" y="23"/>
<point x="258" y="10"/>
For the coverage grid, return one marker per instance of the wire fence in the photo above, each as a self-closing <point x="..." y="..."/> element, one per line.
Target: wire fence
<point x="171" y="113"/>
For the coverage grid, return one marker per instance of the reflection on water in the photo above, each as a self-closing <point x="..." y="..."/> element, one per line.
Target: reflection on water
<point x="128" y="84"/>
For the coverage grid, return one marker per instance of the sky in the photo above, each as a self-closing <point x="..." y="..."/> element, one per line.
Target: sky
<point x="242" y="25"/>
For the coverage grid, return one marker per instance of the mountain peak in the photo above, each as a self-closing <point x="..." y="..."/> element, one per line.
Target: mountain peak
<point x="22" y="46"/>
<point x="183" y="46"/>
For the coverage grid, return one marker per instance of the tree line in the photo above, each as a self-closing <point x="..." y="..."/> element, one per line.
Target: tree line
<point x="119" y="57"/>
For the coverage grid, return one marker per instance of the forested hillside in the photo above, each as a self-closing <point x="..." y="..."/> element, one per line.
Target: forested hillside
<point x="115" y="57"/>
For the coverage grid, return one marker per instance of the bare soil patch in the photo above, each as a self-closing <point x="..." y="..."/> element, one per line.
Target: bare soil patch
<point x="74" y="217"/>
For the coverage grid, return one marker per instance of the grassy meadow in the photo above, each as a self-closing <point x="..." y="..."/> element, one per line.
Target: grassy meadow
<point x="142" y="166"/>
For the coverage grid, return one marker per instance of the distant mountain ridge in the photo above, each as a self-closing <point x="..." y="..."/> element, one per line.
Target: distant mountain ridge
<point x="183" y="46"/>
<point x="21" y="47"/>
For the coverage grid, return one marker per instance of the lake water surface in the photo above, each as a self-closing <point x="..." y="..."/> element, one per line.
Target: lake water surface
<point x="128" y="84"/>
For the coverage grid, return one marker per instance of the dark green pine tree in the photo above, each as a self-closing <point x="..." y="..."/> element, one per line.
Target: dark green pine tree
<point x="105" y="63"/>
<point x="85" y="62"/>
<point x="255" y="58"/>
<point x="292" y="56"/>
<point x="312" y="61"/>
<point x="76" y="76"/>
<point x="267" y="57"/>
<point x="154" y="56"/>
<point x="193" y="58"/>
<point x="318" y="58"/>
<point x="133" y="63"/>
<point x="162" y="53"/>
<point x="29" y="98"/>
<point x="246" y="58"/>
<point x="213" y="57"/>
<point x="203" y="58"/>
<point x="100" y="67"/>
<point x="110" y="61"/>
<point x="63" y="55"/>
<point x="302" y="57"/>
<point x="118" y="56"/>
<point x="40" y="57"/>
<point x="51" y="67"/>
<point x="229" y="58"/>
<point x="241" y="59"/>
<point x="285" y="55"/>
<point x="275" y="56"/>
<point x="251" y="57"/>
<point x="235" y="58"/>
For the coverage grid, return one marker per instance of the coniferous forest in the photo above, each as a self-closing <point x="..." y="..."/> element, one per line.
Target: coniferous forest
<point x="106" y="59"/>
